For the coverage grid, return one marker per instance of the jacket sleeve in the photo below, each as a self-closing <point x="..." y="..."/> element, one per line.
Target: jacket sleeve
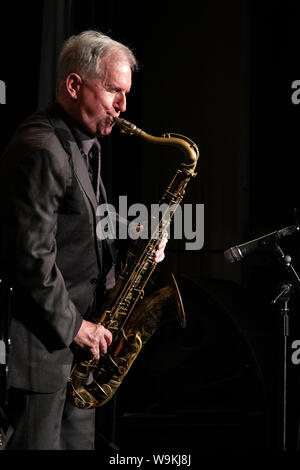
<point x="38" y="186"/>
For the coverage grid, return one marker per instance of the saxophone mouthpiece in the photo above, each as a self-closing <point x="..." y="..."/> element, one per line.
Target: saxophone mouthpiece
<point x="127" y="127"/>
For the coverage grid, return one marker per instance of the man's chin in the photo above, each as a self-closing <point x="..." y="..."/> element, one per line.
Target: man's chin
<point x="106" y="131"/>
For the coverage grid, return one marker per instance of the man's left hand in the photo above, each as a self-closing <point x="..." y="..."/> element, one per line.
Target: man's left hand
<point x="160" y="253"/>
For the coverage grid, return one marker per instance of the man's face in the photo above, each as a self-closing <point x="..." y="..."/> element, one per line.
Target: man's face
<point x="100" y="100"/>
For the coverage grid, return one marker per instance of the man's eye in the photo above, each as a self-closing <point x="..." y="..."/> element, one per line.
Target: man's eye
<point x="113" y="90"/>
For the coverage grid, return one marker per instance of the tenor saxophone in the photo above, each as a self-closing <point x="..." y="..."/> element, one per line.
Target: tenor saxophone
<point x="131" y="317"/>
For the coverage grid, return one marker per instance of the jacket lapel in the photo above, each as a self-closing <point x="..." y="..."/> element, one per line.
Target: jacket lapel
<point x="68" y="142"/>
<point x="81" y="173"/>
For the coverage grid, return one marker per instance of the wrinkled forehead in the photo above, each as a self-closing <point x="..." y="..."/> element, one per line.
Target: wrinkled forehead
<point x="113" y="60"/>
<point x="116" y="71"/>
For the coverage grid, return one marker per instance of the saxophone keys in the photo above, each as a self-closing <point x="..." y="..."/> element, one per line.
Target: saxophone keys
<point x="140" y="292"/>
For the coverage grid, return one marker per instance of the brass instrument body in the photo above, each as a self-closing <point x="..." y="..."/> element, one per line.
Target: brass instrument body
<point x="132" y="319"/>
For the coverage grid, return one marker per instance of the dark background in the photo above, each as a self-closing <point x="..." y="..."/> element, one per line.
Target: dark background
<point x="221" y="73"/>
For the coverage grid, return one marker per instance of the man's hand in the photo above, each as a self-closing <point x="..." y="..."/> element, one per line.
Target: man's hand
<point x="160" y="253"/>
<point x="95" y="338"/>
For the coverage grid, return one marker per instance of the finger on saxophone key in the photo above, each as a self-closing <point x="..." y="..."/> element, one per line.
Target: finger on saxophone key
<point x="93" y="337"/>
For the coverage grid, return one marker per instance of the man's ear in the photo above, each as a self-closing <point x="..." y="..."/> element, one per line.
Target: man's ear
<point x="73" y="85"/>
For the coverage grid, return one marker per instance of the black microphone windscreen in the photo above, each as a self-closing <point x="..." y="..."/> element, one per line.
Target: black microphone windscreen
<point x="232" y="255"/>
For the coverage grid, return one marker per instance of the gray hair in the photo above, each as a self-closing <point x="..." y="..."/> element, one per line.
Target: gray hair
<point x="82" y="54"/>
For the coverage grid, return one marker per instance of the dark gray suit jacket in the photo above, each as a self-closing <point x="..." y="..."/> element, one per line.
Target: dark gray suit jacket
<point x="49" y="250"/>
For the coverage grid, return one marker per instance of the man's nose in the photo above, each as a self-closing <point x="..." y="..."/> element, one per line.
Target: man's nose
<point x="120" y="104"/>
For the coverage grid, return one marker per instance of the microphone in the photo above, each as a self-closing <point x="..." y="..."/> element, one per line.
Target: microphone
<point x="236" y="253"/>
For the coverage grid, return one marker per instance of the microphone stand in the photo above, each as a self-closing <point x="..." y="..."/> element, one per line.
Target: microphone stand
<point x="286" y="288"/>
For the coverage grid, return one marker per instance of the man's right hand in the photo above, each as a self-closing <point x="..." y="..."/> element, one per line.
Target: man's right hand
<point x="94" y="338"/>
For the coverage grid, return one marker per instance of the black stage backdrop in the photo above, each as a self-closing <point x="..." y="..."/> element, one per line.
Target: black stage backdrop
<point x="225" y="74"/>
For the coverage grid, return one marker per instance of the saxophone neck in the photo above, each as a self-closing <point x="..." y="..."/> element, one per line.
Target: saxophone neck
<point x="189" y="148"/>
<point x="180" y="141"/>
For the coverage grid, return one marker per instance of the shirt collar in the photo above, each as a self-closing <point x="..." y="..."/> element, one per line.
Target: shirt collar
<point x="84" y="140"/>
